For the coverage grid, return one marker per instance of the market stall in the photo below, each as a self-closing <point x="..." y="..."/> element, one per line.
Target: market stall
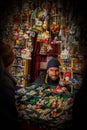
<point x="38" y="31"/>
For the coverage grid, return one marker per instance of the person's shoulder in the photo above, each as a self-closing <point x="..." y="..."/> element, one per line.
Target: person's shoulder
<point x="7" y="80"/>
<point x="42" y="75"/>
<point x="41" y="78"/>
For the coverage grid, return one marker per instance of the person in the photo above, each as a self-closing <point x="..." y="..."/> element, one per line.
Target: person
<point x="79" y="112"/>
<point x="51" y="75"/>
<point x="8" y="110"/>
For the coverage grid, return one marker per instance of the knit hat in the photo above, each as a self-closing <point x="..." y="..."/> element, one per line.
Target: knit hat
<point x="7" y="54"/>
<point x="53" y="63"/>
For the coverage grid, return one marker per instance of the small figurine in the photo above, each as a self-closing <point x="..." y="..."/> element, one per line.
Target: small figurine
<point x="67" y="76"/>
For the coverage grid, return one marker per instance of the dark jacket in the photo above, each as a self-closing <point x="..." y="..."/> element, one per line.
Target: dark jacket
<point x="42" y="80"/>
<point x="8" y="111"/>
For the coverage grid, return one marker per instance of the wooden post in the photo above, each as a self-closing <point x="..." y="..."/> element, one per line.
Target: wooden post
<point x="26" y="70"/>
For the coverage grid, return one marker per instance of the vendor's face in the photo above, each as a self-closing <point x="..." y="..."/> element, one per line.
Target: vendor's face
<point x="53" y="73"/>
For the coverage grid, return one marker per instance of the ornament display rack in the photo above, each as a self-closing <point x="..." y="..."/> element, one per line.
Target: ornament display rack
<point x="55" y="26"/>
<point x="21" y="67"/>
